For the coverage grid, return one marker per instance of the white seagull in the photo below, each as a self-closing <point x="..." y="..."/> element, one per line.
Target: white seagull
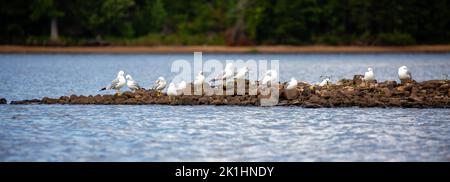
<point x="117" y="83"/>
<point x="133" y="85"/>
<point x="403" y="73"/>
<point x="199" y="79"/>
<point x="324" y="82"/>
<point x="292" y="84"/>
<point x="271" y="76"/>
<point x="172" y="90"/>
<point x="242" y="73"/>
<point x="160" y="84"/>
<point x="227" y="73"/>
<point x="369" y="76"/>
<point x="181" y="87"/>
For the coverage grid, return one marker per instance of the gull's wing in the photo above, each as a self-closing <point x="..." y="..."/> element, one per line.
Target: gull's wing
<point x="157" y="83"/>
<point x="218" y="77"/>
<point x="160" y="86"/>
<point x="136" y="85"/>
<point x="114" y="84"/>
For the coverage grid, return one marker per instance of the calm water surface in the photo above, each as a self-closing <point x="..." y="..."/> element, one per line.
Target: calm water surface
<point x="212" y="133"/>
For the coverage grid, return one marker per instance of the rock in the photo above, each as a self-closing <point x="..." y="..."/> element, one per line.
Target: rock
<point x="291" y="94"/>
<point x="3" y="101"/>
<point x="311" y="105"/>
<point x="400" y="89"/>
<point x="358" y="79"/>
<point x="326" y="94"/>
<point x="345" y="82"/>
<point x="32" y="101"/>
<point x="386" y="92"/>
<point x="128" y="94"/>
<point x="389" y="84"/>
<point x="431" y="84"/>
<point x="433" y="93"/>
<point x="444" y="86"/>
<point x="395" y="102"/>
<point x="47" y="100"/>
<point x="348" y="90"/>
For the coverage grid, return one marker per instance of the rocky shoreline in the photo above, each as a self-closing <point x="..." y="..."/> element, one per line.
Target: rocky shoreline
<point x="345" y="93"/>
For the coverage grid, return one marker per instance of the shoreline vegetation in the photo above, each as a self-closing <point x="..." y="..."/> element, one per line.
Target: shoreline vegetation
<point x="225" y="22"/>
<point x="281" y="49"/>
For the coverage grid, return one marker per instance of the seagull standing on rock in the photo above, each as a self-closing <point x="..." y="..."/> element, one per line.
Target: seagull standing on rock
<point x="292" y="84"/>
<point x="172" y="91"/>
<point x="160" y="84"/>
<point x="132" y="85"/>
<point x="227" y="73"/>
<point x="242" y="73"/>
<point x="199" y="79"/>
<point x="271" y="76"/>
<point x="369" y="76"/>
<point x="324" y="82"/>
<point x="181" y="87"/>
<point x="117" y="83"/>
<point x="404" y="74"/>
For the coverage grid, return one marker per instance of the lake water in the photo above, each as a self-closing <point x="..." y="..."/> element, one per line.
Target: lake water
<point x="212" y="133"/>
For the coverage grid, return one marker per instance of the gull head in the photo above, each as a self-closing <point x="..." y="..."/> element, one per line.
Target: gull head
<point x="121" y="73"/>
<point x="403" y="68"/>
<point x="200" y="73"/>
<point x="128" y="77"/>
<point x="369" y="69"/>
<point x="161" y="78"/>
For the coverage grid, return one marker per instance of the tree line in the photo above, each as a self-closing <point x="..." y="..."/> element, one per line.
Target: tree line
<point x="225" y="22"/>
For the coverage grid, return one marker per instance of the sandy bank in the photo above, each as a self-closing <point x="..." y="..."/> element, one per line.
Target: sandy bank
<point x="227" y="49"/>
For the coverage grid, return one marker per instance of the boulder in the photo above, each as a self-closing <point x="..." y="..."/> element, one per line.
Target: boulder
<point x="291" y="94"/>
<point x="3" y="101"/>
<point x="358" y="79"/>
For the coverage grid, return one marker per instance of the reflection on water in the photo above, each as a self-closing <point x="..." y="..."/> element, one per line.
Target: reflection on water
<point x="212" y="133"/>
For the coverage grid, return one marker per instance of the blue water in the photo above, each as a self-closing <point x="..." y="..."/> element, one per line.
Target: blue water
<point x="212" y="133"/>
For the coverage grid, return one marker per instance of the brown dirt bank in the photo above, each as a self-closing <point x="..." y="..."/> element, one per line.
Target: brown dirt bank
<point x="226" y="49"/>
<point x="346" y="93"/>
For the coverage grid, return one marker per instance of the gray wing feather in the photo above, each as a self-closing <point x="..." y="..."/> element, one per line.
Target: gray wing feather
<point x="114" y="84"/>
<point x="409" y="74"/>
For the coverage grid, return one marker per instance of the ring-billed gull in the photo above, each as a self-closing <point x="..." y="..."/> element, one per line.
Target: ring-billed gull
<point x="369" y="76"/>
<point x="160" y="84"/>
<point x="404" y="74"/>
<point x="172" y="90"/>
<point x="132" y="85"/>
<point x="199" y="79"/>
<point x="270" y="77"/>
<point x="227" y="73"/>
<point x="117" y="83"/>
<point x="292" y="84"/>
<point x="242" y="73"/>
<point x="181" y="87"/>
<point x="325" y="81"/>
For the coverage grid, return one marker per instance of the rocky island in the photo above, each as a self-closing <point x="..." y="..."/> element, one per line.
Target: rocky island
<point x="345" y="93"/>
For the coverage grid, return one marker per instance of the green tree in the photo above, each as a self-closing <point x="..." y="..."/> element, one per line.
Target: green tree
<point x="106" y="17"/>
<point x="47" y="9"/>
